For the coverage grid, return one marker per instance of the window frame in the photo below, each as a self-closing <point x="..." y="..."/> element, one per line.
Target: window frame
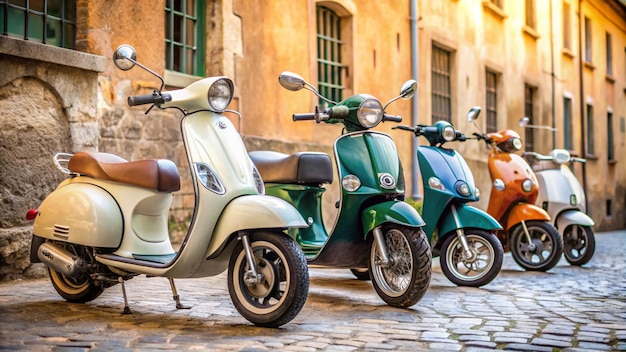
<point x="609" y="54"/>
<point x="491" y="101"/>
<point x="567" y="26"/>
<point x="530" y="16"/>
<point x="590" y="143"/>
<point x="529" y="111"/>
<point x="568" y="133"/>
<point x="441" y="83"/>
<point x="197" y="45"/>
<point x="588" y="41"/>
<point x="330" y="70"/>
<point x="610" y="137"/>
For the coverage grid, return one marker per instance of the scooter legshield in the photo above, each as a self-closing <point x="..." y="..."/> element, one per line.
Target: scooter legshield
<point x="468" y="217"/>
<point x="576" y="217"/>
<point x="80" y="213"/>
<point x="525" y="211"/>
<point x="396" y="212"/>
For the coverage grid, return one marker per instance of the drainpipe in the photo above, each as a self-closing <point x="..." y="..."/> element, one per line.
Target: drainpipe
<point x="582" y="100"/>
<point x="414" y="102"/>
<point x="552" y="73"/>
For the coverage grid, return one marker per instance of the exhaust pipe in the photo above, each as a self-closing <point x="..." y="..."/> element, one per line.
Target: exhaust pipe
<point x="61" y="260"/>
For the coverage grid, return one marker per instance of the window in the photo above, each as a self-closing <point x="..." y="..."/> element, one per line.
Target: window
<point x="492" y="101"/>
<point x="568" y="135"/>
<point x="441" y="87"/>
<point x="47" y="22"/>
<point x="530" y="13"/>
<point x="528" y="112"/>
<point x="588" y="39"/>
<point x="329" y="49"/>
<point x="590" y="131"/>
<point x="497" y="3"/>
<point x="610" y="147"/>
<point x="609" y="54"/>
<point x="184" y="36"/>
<point x="567" y="27"/>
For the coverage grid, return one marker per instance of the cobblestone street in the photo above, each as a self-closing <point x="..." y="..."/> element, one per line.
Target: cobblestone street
<point x="566" y="309"/>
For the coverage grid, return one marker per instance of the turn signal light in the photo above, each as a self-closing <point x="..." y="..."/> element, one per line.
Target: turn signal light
<point x="32" y="214"/>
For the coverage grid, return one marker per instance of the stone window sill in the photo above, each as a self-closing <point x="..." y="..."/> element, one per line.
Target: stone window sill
<point x="495" y="10"/>
<point x="531" y="32"/>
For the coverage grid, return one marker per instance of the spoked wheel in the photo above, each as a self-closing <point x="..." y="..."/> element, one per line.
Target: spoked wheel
<point x="79" y="289"/>
<point x="579" y="244"/>
<point x="404" y="280"/>
<point x="477" y="267"/>
<point x="362" y="274"/>
<point x="544" y="249"/>
<point x="279" y="292"/>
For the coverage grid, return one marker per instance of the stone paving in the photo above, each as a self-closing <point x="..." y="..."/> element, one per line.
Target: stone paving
<point x="566" y="309"/>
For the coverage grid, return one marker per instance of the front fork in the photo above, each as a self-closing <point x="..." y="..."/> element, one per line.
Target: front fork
<point x="382" y="248"/>
<point x="251" y="276"/>
<point x="531" y="244"/>
<point x="468" y="254"/>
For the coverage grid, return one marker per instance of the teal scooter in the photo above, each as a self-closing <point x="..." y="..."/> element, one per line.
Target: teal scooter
<point x="376" y="233"/>
<point x="470" y="253"/>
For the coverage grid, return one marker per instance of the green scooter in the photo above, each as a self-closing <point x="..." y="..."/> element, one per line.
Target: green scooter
<point x="377" y="235"/>
<point x="471" y="254"/>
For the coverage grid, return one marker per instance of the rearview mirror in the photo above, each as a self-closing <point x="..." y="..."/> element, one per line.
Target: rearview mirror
<point x="473" y="113"/>
<point x="125" y="57"/>
<point x="408" y="89"/>
<point x="291" y="81"/>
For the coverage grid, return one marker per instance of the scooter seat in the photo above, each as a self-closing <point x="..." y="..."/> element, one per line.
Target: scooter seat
<point x="302" y="167"/>
<point x="160" y="174"/>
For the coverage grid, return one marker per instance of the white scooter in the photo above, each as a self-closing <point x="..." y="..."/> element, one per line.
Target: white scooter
<point x="108" y="222"/>
<point x="562" y="196"/>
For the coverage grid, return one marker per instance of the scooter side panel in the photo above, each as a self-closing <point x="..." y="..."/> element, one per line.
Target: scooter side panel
<point x="396" y="212"/>
<point x="80" y="213"/>
<point x="576" y="217"/>
<point x="469" y="217"/>
<point x="525" y="211"/>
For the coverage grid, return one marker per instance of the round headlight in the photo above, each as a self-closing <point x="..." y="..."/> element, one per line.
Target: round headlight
<point x="463" y="189"/>
<point x="351" y="183"/>
<point x="220" y="94"/>
<point x="498" y="184"/>
<point x="517" y="143"/>
<point x="448" y="133"/>
<point x="527" y="185"/>
<point x="370" y="113"/>
<point x="435" y="183"/>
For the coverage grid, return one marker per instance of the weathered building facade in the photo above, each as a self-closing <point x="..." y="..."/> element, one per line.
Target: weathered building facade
<point x="560" y="62"/>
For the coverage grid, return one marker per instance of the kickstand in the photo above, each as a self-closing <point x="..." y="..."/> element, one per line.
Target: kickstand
<point x="175" y="295"/>
<point x="126" y="307"/>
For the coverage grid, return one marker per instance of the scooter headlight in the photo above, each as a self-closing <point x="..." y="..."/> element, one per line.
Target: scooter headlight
<point x="370" y="113"/>
<point x="435" y="183"/>
<point x="448" y="133"/>
<point x="209" y="178"/>
<point x="463" y="189"/>
<point x="351" y="183"/>
<point x="258" y="181"/>
<point x="517" y="143"/>
<point x="498" y="184"/>
<point x="220" y="94"/>
<point x="527" y="185"/>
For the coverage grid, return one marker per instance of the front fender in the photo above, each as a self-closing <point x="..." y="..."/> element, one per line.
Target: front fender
<point x="572" y="216"/>
<point x="469" y="217"/>
<point x="525" y="211"/>
<point x="254" y="212"/>
<point x="397" y="212"/>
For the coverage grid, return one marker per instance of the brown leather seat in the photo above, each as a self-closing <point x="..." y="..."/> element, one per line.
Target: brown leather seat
<point x="160" y="174"/>
<point x="302" y="167"/>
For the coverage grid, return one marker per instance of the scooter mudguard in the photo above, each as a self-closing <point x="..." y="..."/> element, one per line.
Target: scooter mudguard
<point x="397" y="212"/>
<point x="575" y="217"/>
<point x="525" y="211"/>
<point x="468" y="217"/>
<point x="80" y="213"/>
<point x="251" y="212"/>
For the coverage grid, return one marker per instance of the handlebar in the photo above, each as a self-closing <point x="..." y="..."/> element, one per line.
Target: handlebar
<point x="303" y="117"/>
<point x="154" y="98"/>
<point x="392" y="118"/>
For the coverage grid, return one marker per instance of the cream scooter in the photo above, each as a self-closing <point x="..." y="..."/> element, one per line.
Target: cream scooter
<point x="108" y="222"/>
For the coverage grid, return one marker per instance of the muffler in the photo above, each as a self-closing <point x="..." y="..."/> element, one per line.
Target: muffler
<point x="61" y="260"/>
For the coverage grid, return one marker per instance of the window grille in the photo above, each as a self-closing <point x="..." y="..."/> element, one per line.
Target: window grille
<point x="568" y="136"/>
<point x="184" y="36"/>
<point x="441" y="88"/>
<point x="41" y="21"/>
<point x="329" y="58"/>
<point x="528" y="112"/>
<point x="492" y="101"/>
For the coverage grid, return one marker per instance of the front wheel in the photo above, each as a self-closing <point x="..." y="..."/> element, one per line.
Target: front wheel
<point x="477" y="267"/>
<point x="282" y="283"/>
<point x="544" y="249"/>
<point x="579" y="244"/>
<point x="404" y="280"/>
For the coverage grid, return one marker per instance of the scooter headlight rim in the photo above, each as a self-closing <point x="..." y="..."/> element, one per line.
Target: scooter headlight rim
<point x="527" y="185"/>
<point x="370" y="113"/>
<point x="448" y="133"/>
<point x="220" y="94"/>
<point x="351" y="183"/>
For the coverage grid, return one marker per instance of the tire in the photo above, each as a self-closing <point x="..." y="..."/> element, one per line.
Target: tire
<point x="362" y="274"/>
<point x="579" y="244"/>
<point x="80" y="289"/>
<point x="284" y="286"/>
<point x="405" y="280"/>
<point x="546" y="249"/>
<point x="481" y="268"/>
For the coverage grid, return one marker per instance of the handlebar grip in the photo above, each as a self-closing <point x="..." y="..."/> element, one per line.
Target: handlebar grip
<point x="392" y="118"/>
<point x="405" y="128"/>
<point x="303" y="117"/>
<point x="145" y="99"/>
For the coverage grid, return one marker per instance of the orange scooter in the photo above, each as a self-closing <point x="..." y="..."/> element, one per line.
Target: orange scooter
<point x="527" y="231"/>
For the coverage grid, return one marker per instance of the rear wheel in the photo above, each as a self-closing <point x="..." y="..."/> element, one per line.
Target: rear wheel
<point x="283" y="279"/>
<point x="79" y="289"/>
<point x="544" y="249"/>
<point x="579" y="244"/>
<point x="405" y="279"/>
<point x="476" y="268"/>
<point x="362" y="274"/>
